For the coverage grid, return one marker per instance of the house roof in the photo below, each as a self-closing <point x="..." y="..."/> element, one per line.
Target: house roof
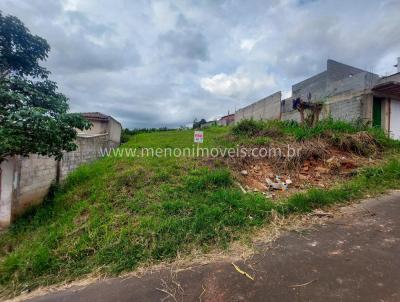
<point x="391" y="88"/>
<point x="96" y="116"/>
<point x="227" y="116"/>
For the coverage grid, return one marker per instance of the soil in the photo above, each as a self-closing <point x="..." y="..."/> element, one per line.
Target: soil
<point x="312" y="172"/>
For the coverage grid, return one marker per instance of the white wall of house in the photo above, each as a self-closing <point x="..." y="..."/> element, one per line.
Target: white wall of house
<point x="395" y="119"/>
<point x="110" y="127"/>
<point x="98" y="127"/>
<point x="114" y="129"/>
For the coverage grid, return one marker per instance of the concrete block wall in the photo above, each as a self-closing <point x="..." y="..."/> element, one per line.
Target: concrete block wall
<point x="358" y="82"/>
<point x="293" y="115"/>
<point x="7" y="176"/>
<point x="25" y="181"/>
<point x="346" y="107"/>
<point x="287" y="105"/>
<point x="35" y="173"/>
<point x="266" y="108"/>
<point x="337" y="78"/>
<point x="347" y="110"/>
<point x="89" y="149"/>
<point x="316" y="85"/>
<point x="337" y="71"/>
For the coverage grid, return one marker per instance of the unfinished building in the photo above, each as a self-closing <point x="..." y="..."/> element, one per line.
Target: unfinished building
<point x="346" y="92"/>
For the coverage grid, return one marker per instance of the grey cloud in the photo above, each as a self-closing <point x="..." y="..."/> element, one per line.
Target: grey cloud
<point x="186" y="44"/>
<point x="90" y="46"/>
<point x="122" y="58"/>
<point x="87" y="26"/>
<point x="75" y="54"/>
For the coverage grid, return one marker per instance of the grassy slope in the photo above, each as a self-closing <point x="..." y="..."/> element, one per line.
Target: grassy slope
<point x="117" y="213"/>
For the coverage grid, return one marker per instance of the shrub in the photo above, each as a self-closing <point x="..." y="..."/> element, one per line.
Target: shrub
<point x="248" y="127"/>
<point x="326" y="126"/>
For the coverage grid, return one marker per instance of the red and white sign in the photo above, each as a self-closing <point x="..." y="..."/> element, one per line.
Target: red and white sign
<point x="198" y="137"/>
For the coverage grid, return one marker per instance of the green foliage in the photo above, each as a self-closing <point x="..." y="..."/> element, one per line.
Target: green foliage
<point x="248" y="127"/>
<point x="302" y="132"/>
<point x="127" y="133"/>
<point x="202" y="179"/>
<point x="276" y="128"/>
<point x="20" y="50"/>
<point x="116" y="214"/>
<point x="371" y="180"/>
<point x="261" y="141"/>
<point x="33" y="115"/>
<point x="383" y="139"/>
<point x="198" y="124"/>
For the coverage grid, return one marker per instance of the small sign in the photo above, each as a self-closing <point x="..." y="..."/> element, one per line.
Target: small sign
<point x="198" y="137"/>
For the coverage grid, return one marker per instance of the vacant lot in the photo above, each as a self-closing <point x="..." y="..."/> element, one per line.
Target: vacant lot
<point x="121" y="212"/>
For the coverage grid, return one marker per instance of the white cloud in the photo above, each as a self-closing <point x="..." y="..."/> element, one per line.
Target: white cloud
<point x="156" y="63"/>
<point x="164" y="17"/>
<point x="236" y="85"/>
<point x="248" y="44"/>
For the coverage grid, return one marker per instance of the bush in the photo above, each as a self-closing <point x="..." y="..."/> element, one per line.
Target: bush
<point x="248" y="127"/>
<point x="276" y="128"/>
<point x="326" y="126"/>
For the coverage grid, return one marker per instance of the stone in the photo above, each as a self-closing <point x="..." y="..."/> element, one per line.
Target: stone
<point x="289" y="181"/>
<point x="322" y="170"/>
<point x="303" y="177"/>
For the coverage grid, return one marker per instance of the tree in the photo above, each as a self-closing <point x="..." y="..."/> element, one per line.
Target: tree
<point x="34" y="117"/>
<point x="314" y="111"/>
<point x="197" y="124"/>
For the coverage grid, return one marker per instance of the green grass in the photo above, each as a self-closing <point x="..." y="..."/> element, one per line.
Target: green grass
<point x="287" y="129"/>
<point x="118" y="213"/>
<point x="322" y="127"/>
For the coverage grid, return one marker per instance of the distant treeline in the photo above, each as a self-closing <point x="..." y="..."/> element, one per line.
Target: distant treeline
<point x="126" y="133"/>
<point x="197" y="124"/>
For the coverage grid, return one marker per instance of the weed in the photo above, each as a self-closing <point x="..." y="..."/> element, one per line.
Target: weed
<point x="118" y="213"/>
<point x="248" y="127"/>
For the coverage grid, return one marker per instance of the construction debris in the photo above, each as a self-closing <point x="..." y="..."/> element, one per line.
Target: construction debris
<point x="277" y="184"/>
<point x="334" y="163"/>
<point x="240" y="187"/>
<point x="267" y="195"/>
<point x="303" y="177"/>
<point x="322" y="170"/>
<point x="242" y="272"/>
<point x="304" y="284"/>
<point x="320" y="213"/>
<point x="312" y="170"/>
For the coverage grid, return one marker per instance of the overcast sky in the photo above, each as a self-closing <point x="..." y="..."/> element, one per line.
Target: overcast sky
<point x="163" y="63"/>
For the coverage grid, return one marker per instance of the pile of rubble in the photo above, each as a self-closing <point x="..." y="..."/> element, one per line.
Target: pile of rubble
<point x="260" y="176"/>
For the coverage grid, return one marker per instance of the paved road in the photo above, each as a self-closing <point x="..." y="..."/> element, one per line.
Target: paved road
<point x="354" y="257"/>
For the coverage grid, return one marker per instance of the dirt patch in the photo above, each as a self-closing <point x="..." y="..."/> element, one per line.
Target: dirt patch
<point x="319" y="163"/>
